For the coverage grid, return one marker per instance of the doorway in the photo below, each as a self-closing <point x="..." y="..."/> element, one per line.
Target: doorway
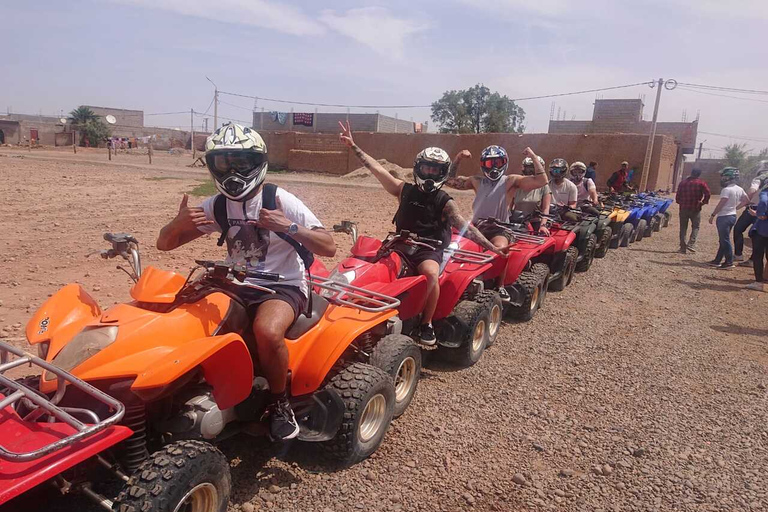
<point x="2" y="137"/>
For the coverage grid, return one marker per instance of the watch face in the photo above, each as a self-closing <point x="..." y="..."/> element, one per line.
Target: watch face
<point x="293" y="228"/>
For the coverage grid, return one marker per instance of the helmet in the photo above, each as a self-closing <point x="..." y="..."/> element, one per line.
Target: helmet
<point x="729" y="175"/>
<point x="558" y="168"/>
<point x="494" y="162"/>
<point x="578" y="170"/>
<point x="430" y="170"/>
<point x="528" y="168"/>
<point x="236" y="157"/>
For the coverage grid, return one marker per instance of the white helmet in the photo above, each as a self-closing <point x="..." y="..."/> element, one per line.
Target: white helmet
<point x="430" y="170"/>
<point x="236" y="157"/>
<point x="529" y="169"/>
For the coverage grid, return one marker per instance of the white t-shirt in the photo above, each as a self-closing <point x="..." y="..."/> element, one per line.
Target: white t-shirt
<point x="734" y="194"/>
<point x="582" y="192"/>
<point x="258" y="248"/>
<point x="753" y="189"/>
<point x="564" y="193"/>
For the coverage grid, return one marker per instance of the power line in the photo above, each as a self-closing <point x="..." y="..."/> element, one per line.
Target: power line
<point x="726" y="89"/>
<point x="339" y="105"/>
<point x="722" y="95"/>
<point x="734" y="136"/>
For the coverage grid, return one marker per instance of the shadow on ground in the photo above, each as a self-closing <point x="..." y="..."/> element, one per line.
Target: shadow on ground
<point x="738" y="329"/>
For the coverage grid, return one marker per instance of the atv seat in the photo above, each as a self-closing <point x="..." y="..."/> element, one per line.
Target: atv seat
<point x="304" y="323"/>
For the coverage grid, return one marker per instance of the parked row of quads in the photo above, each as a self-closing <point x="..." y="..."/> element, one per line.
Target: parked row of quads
<point x="140" y="393"/>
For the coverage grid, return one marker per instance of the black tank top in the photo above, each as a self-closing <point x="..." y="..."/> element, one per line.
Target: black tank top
<point x="422" y="213"/>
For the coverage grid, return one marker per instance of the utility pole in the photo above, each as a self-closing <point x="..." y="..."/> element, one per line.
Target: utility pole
<point x="669" y="85"/>
<point x="192" y="125"/>
<point x="215" y="105"/>
<point x="701" y="146"/>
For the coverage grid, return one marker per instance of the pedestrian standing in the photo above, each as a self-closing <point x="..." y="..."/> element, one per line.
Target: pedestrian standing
<point x="592" y="171"/>
<point x="618" y="180"/>
<point x="692" y="194"/>
<point x="760" y="238"/>
<point x="731" y="196"/>
<point x="748" y="215"/>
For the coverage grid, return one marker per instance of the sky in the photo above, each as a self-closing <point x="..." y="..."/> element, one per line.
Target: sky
<point x="155" y="55"/>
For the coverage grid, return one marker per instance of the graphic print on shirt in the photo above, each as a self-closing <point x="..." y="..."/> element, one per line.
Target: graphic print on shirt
<point x="247" y="244"/>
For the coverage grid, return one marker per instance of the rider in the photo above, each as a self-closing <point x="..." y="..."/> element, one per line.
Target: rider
<point x="428" y="212"/>
<point x="564" y="192"/>
<point x="267" y="240"/>
<point x="538" y="199"/>
<point x="586" y="189"/>
<point x="494" y="188"/>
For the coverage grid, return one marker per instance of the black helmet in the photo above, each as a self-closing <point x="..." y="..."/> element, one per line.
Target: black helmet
<point x="558" y="168"/>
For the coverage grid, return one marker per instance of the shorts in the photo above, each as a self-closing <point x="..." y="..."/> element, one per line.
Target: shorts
<point x="423" y="255"/>
<point x="491" y="230"/>
<point x="289" y="294"/>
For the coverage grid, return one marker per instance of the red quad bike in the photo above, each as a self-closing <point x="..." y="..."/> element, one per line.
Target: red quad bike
<point x="141" y="391"/>
<point x="468" y="316"/>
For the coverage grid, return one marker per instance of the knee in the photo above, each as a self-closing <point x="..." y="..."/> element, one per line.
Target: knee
<point x="432" y="277"/>
<point x="268" y="335"/>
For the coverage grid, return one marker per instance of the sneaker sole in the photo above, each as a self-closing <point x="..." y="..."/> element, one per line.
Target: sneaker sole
<point x="293" y="435"/>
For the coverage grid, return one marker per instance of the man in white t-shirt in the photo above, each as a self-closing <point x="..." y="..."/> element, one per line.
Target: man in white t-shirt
<point x="564" y="192"/>
<point x="748" y="216"/>
<point x="268" y="230"/>
<point x="731" y="195"/>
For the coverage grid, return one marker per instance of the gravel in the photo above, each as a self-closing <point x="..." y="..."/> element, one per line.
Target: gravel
<point x="641" y="387"/>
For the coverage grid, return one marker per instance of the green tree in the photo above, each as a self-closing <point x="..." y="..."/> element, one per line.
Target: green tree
<point x="736" y="154"/>
<point x="751" y="163"/>
<point x="82" y="115"/>
<point x="477" y="110"/>
<point x="89" y="125"/>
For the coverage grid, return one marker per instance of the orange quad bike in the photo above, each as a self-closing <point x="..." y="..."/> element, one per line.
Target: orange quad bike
<point x="180" y="358"/>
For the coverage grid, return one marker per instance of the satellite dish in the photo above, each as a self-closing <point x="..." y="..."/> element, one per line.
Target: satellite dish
<point x="111" y="119"/>
<point x="63" y="120"/>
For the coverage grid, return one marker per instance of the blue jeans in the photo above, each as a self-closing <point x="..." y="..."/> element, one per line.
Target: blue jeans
<point x="725" y="224"/>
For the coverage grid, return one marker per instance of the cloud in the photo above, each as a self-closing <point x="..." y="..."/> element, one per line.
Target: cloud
<point x="257" y="13"/>
<point x="374" y="27"/>
<point x="549" y="8"/>
<point x="739" y="9"/>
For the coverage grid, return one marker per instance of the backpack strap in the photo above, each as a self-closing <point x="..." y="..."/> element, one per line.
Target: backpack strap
<point x="269" y="202"/>
<point x="220" y="215"/>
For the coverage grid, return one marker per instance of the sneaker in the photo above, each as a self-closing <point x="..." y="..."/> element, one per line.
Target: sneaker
<point x="746" y="263"/>
<point x="713" y="263"/>
<point x="504" y="294"/>
<point x="691" y="249"/>
<point x="726" y="266"/>
<point x="282" y="422"/>
<point x="682" y="250"/>
<point x="760" y="287"/>
<point x="427" y="335"/>
<point x="738" y="257"/>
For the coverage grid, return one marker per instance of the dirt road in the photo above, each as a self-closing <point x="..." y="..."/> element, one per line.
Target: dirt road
<point x="640" y="387"/>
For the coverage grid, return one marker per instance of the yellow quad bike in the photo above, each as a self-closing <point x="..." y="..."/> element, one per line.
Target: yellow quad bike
<point x="621" y="230"/>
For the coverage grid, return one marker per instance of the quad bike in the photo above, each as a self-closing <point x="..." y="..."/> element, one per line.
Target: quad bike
<point x="180" y="358"/>
<point x="467" y="317"/>
<point x="617" y="217"/>
<point x="584" y="229"/>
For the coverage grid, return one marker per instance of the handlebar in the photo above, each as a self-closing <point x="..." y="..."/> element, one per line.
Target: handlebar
<point x="225" y="270"/>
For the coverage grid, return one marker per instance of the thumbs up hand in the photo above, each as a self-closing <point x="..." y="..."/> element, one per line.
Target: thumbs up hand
<point x="190" y="216"/>
<point x="273" y="220"/>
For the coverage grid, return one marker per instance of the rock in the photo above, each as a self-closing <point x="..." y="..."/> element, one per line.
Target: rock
<point x="519" y="479"/>
<point x="538" y="447"/>
<point x="96" y="288"/>
<point x="759" y="386"/>
<point x="469" y="498"/>
<point x="560" y="492"/>
<point x="597" y="470"/>
<point x="607" y="469"/>
<point x="274" y="489"/>
<point x="566" y="472"/>
<point x="411" y="464"/>
<point x="639" y="452"/>
<point x="247" y="507"/>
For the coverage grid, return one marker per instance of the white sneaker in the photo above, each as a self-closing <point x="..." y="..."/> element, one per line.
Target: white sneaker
<point x="760" y="287"/>
<point x="738" y="257"/>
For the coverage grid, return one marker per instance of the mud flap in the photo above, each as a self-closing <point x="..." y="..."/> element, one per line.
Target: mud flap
<point x="319" y="415"/>
<point x="449" y="330"/>
<point x="516" y="294"/>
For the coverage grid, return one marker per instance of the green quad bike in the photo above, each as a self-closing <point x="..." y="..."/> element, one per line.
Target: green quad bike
<point x="586" y="232"/>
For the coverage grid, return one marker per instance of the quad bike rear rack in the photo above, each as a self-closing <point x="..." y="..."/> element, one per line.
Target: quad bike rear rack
<point x="465" y="256"/>
<point x="40" y="405"/>
<point x="531" y="239"/>
<point x="355" y="296"/>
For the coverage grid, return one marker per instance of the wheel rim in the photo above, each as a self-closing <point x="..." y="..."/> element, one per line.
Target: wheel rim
<point x="535" y="298"/>
<point x="202" y="498"/>
<point x="373" y="418"/>
<point x="406" y="376"/>
<point x="495" y="323"/>
<point x="478" y="336"/>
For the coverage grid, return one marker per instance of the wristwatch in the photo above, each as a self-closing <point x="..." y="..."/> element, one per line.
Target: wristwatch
<point x="293" y="228"/>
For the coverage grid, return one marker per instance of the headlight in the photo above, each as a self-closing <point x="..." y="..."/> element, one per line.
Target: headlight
<point x="338" y="277"/>
<point x="42" y="349"/>
<point x="86" y="344"/>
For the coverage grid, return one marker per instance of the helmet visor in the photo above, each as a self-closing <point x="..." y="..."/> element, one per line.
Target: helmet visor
<point x="494" y="163"/>
<point x="427" y="171"/>
<point x="239" y="162"/>
<point x="529" y="170"/>
<point x="557" y="171"/>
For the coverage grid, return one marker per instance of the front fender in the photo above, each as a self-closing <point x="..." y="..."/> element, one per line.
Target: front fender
<point x="62" y="316"/>
<point x="226" y="364"/>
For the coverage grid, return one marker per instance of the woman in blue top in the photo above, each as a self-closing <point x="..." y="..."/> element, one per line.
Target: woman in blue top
<point x="759" y="236"/>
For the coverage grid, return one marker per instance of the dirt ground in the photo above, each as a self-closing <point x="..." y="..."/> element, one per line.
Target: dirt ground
<point x="640" y="387"/>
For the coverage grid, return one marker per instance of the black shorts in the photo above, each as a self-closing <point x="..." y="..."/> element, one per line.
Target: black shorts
<point x="290" y="294"/>
<point x="423" y="255"/>
<point x="490" y="230"/>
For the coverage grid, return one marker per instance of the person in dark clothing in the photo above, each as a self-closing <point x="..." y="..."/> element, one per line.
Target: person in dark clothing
<point x="618" y="180"/>
<point x="427" y="211"/>
<point x="592" y="171"/>
<point x="759" y="236"/>
<point x="692" y="194"/>
<point x="747" y="218"/>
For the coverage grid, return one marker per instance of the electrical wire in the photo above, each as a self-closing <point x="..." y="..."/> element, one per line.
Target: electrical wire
<point x="725" y="89"/>
<point x="721" y="95"/>
<point x="339" y="105"/>
<point x="734" y="136"/>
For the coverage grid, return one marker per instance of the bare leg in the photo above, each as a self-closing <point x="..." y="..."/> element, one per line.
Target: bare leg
<point x="273" y="318"/>
<point x="500" y="241"/>
<point x="430" y="270"/>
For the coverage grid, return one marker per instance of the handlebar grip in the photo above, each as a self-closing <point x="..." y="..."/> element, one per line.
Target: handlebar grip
<point x="265" y="276"/>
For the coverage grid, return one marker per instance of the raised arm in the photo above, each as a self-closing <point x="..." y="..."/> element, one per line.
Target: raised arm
<point x="183" y="228"/>
<point x="391" y="184"/>
<point x="454" y="218"/>
<point x="459" y="182"/>
<point x="528" y="183"/>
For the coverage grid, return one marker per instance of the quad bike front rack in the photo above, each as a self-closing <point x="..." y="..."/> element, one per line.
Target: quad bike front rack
<point x="466" y="256"/>
<point x="355" y="296"/>
<point x="531" y="239"/>
<point x="40" y="405"/>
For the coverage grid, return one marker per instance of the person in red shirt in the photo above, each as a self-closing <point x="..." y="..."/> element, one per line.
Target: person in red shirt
<point x="618" y="179"/>
<point x="692" y="194"/>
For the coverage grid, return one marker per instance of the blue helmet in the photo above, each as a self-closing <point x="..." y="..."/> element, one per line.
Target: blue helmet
<point x="494" y="162"/>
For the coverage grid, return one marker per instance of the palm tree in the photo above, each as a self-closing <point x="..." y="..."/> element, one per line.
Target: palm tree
<point x="82" y="115"/>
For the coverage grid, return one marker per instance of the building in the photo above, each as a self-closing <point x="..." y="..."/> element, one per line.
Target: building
<point x="329" y="122"/>
<point x="26" y="128"/>
<point x="710" y="171"/>
<point x="124" y="118"/>
<point x="626" y="116"/>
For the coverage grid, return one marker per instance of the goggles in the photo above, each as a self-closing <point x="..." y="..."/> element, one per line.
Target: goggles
<point x="238" y="162"/>
<point x="494" y="163"/>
